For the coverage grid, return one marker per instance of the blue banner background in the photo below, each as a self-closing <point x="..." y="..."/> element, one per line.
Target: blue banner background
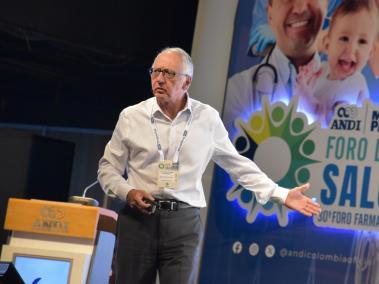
<point x="236" y="251"/>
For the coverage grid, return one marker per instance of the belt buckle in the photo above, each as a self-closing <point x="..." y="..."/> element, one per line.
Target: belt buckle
<point x="174" y="205"/>
<point x="169" y="205"/>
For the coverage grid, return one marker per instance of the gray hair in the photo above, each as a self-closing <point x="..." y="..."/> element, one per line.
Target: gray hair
<point x="186" y="58"/>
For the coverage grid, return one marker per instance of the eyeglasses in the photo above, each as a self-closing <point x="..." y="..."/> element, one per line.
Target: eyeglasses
<point x="167" y="73"/>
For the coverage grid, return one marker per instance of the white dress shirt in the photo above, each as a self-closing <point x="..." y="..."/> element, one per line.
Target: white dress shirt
<point x="133" y="148"/>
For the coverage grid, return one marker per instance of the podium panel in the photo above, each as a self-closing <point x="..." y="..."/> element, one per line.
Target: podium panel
<point x="51" y="217"/>
<point x="73" y="243"/>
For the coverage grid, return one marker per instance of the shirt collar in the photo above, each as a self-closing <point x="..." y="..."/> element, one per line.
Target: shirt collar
<point x="156" y="109"/>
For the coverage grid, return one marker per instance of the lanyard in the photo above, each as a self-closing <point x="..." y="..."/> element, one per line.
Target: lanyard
<point x="180" y="145"/>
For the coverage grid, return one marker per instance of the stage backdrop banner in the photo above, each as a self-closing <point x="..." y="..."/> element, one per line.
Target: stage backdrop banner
<point x="301" y="102"/>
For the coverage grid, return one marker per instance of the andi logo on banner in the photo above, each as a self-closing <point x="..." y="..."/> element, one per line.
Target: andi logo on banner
<point x="346" y="119"/>
<point x="339" y="162"/>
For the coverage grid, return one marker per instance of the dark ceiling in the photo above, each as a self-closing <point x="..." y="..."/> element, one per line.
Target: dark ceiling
<point x="78" y="63"/>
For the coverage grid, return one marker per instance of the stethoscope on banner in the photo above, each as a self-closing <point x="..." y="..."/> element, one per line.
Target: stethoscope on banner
<point x="272" y="69"/>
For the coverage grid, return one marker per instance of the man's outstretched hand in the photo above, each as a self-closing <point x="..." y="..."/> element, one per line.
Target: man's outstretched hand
<point x="296" y="200"/>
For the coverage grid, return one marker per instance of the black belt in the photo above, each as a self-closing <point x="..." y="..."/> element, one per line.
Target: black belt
<point x="168" y="205"/>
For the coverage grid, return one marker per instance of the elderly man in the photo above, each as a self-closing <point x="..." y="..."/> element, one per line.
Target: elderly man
<point x="296" y="25"/>
<point x="164" y="144"/>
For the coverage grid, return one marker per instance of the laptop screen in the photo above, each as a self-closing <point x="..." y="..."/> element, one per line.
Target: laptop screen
<point x="43" y="270"/>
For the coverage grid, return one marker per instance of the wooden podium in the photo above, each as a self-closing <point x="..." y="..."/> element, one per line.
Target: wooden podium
<point x="78" y="238"/>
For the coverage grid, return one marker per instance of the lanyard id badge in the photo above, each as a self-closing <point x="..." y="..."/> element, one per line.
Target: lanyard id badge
<point x="168" y="170"/>
<point x="168" y="174"/>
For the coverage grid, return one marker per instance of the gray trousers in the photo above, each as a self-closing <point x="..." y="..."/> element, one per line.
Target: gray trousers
<point x="167" y="242"/>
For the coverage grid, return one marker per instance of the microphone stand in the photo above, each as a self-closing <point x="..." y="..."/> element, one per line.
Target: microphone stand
<point x="83" y="199"/>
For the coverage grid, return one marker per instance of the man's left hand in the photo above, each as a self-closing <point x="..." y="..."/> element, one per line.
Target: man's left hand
<point x="296" y="200"/>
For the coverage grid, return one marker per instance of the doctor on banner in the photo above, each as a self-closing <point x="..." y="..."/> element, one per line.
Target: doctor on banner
<point x="296" y="26"/>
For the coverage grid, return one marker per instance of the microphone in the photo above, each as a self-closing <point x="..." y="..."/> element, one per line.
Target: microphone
<point x="83" y="199"/>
